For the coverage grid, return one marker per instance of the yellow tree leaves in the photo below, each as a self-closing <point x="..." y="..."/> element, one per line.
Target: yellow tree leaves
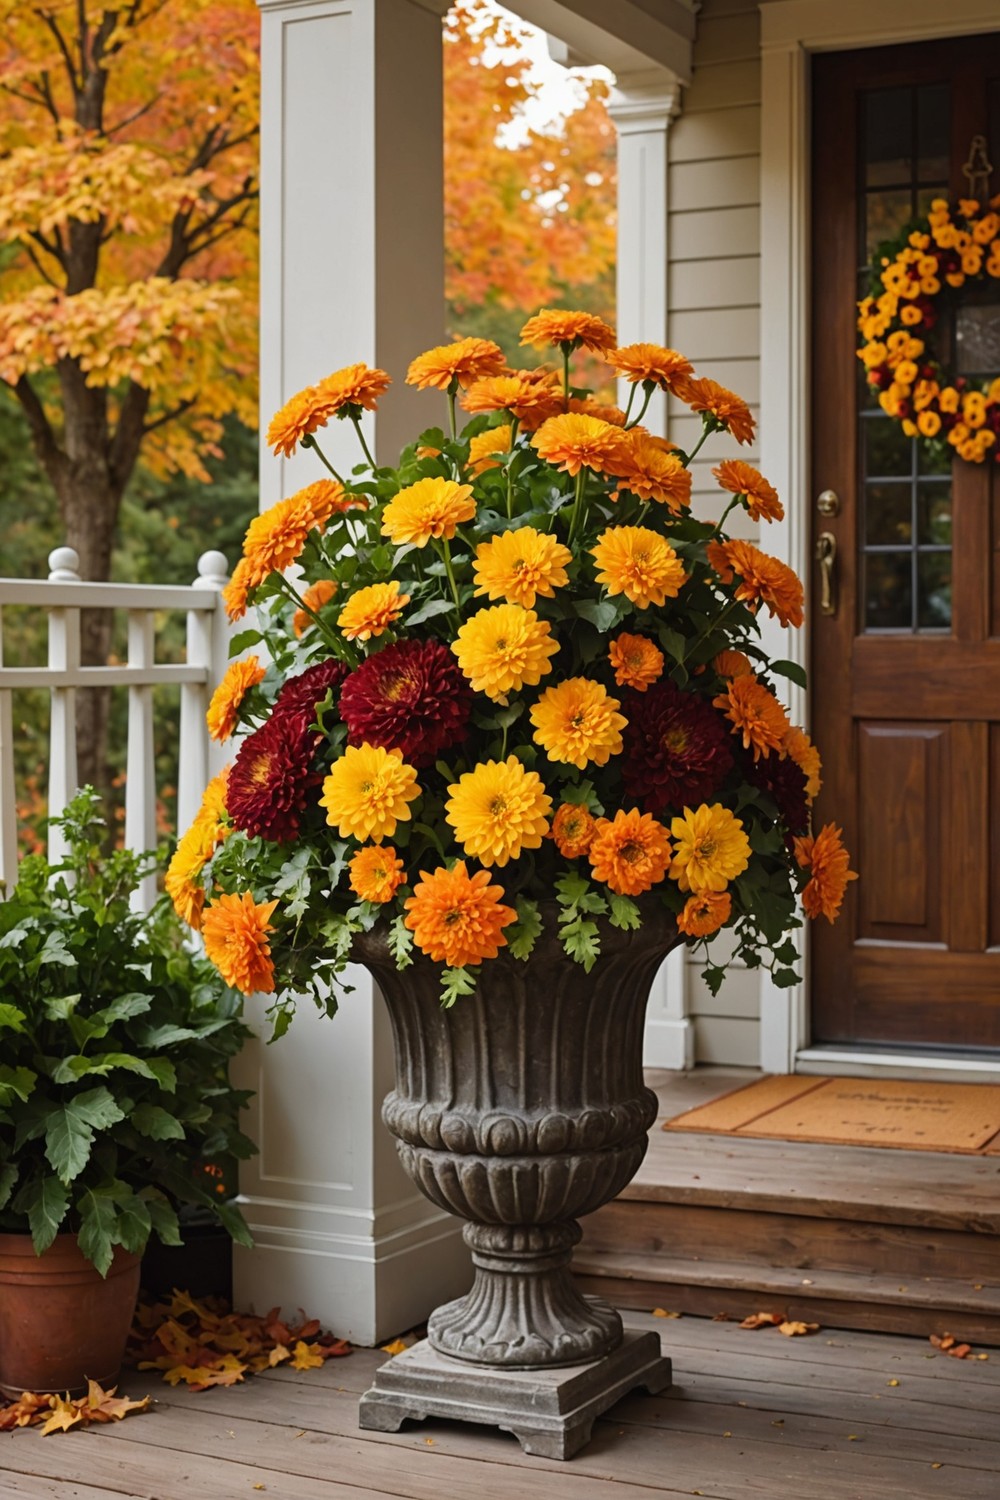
<point x="60" y="1413"/>
<point x="520" y="223"/>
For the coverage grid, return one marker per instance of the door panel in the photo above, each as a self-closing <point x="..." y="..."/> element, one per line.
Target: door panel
<point x="906" y="673"/>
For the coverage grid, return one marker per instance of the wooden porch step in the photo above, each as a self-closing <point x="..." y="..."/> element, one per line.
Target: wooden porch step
<point x="850" y="1237"/>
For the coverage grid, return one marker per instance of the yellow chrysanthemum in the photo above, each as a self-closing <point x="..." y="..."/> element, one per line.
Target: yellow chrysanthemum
<point x="642" y="362"/>
<point x="376" y="873"/>
<point x="430" y="509"/>
<point x="572" y="442"/>
<point x="208" y="830"/>
<point x="638" y="563"/>
<point x="800" y="747"/>
<point x="464" y="362"/>
<point x="518" y="565"/>
<point x="636" y="660"/>
<point x="315" y="596"/>
<point x="487" y="448"/>
<point x="497" y="809"/>
<point x="579" y="329"/>
<point x="457" y="918"/>
<point x="711" y="848"/>
<point x="629" y="852"/>
<point x="235" y="931"/>
<point x="368" y="791"/>
<point x="501" y="648"/>
<point x="577" y="721"/>
<point x="372" y="610"/>
<point x="223" y="710"/>
<point x="573" y="829"/>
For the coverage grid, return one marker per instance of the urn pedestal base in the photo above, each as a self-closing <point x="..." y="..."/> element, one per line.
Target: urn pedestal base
<point x="550" y="1411"/>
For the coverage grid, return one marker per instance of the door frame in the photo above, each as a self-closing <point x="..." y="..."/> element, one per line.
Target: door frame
<point x="790" y="31"/>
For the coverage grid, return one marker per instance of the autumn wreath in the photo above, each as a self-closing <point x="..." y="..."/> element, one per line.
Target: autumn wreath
<point x="914" y="280"/>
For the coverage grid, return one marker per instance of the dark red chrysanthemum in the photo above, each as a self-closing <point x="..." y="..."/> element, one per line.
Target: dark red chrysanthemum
<point x="302" y="693"/>
<point x="411" y="697"/>
<point x="785" y="783"/>
<point x="272" y="776"/>
<point x="677" y="748"/>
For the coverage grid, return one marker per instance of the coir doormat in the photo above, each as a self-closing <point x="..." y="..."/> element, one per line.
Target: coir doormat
<point x="962" y="1117"/>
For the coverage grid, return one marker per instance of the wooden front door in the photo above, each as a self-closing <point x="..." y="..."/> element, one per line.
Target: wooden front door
<point x="906" y="671"/>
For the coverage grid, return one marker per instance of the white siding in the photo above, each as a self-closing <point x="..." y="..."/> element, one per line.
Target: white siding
<point x="715" y="320"/>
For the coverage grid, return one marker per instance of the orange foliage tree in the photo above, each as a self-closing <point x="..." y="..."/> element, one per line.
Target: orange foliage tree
<point x="128" y="202"/>
<point x="529" y="210"/>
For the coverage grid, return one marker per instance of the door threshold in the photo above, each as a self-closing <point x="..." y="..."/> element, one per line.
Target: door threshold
<point x="877" y="1062"/>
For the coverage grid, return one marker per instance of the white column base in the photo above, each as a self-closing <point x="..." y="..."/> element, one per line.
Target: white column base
<point x="669" y="1036"/>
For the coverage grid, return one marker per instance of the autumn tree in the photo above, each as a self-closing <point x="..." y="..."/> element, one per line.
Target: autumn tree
<point x="128" y="202"/>
<point x="529" y="209"/>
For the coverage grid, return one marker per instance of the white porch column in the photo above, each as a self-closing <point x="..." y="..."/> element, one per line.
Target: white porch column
<point x="351" y="269"/>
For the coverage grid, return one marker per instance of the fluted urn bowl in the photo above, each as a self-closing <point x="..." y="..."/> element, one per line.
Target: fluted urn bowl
<point x="519" y="1109"/>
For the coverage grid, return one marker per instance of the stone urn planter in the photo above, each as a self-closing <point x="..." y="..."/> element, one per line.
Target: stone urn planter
<point x="520" y="1109"/>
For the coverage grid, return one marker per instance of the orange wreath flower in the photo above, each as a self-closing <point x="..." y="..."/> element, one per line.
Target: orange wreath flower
<point x="630" y="852"/>
<point x="487" y="448"/>
<point x="235" y="931"/>
<point x="463" y="362"/>
<point x="577" y="329"/>
<point x="457" y="918"/>
<point x="724" y="408"/>
<point x="755" y="714"/>
<point x="827" y="861"/>
<point x="739" y="478"/>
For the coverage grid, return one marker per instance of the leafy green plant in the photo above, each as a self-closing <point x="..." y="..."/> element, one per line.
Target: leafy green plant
<point x="116" y="1041"/>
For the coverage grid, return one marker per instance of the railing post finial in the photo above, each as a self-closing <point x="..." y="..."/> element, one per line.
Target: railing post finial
<point x="64" y="565"/>
<point x="213" y="571"/>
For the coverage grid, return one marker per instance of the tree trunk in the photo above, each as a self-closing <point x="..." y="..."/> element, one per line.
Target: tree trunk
<point x="90" y="517"/>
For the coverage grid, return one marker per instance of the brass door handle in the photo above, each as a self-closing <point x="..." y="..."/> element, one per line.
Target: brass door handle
<point x="826" y="556"/>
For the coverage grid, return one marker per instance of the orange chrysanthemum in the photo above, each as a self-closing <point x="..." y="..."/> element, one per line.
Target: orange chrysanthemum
<point x="762" y="578"/>
<point x="578" y="329"/>
<point x="325" y="498"/>
<point x="368" y="791"/>
<point x="641" y="362"/>
<point x="739" y="478"/>
<point x="732" y="664"/>
<point x="376" y="873"/>
<point x="638" y="563"/>
<point x="235" y="930"/>
<point x="223" y="710"/>
<point x="237" y="590"/>
<point x="465" y="362"/>
<point x="300" y="417"/>
<point x="800" y="747"/>
<point x="724" y="408"/>
<point x="457" y="918"/>
<point x="501" y="648"/>
<point x="428" y="510"/>
<point x="572" y="443"/>
<point x="652" y="472"/>
<point x="315" y="596"/>
<point x="275" y="538"/>
<point x="573" y="829"/>
<point x="487" y="448"/>
<point x="629" y="852"/>
<point x="577" y="721"/>
<point x="637" y="662"/>
<point x="372" y="610"/>
<point x="586" y="406"/>
<point x="529" y="395"/>
<point x="356" y="386"/>
<point x="755" y="714"/>
<point x="704" y="913"/>
<point x="825" y="857"/>
<point x="519" y="565"/>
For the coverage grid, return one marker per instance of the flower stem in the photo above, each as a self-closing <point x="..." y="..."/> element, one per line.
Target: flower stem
<point x="510" y="475"/>
<point x="712" y="625"/>
<point x="446" y="554"/>
<point x="361" y="439"/>
<point x="325" y="461"/>
<point x="565" y="355"/>
<point x="731" y="506"/>
<point x="631" y="397"/>
<point x="452" y="419"/>
<point x="574" y="520"/>
<point x="706" y="431"/>
<point x="648" y="386"/>
<point x="334" y="641"/>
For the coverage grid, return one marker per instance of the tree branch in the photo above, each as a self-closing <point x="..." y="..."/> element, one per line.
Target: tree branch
<point x="169" y="416"/>
<point x="32" y="255"/>
<point x="49" y="21"/>
<point x="43" y="439"/>
<point x="129" y="433"/>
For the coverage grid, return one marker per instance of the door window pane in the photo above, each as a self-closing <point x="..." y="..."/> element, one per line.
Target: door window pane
<point x="889" y="514"/>
<point x="934" y="590"/>
<point x="887" y="211"/>
<point x="933" y="131"/>
<point x="889" y="591"/>
<point x="934" y="515"/>
<point x="887" y="448"/>
<point x="888" y="137"/>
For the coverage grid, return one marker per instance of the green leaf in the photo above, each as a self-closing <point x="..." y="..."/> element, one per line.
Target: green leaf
<point x="164" y="1072"/>
<point x="8" y="1181"/>
<point x="11" y="1018"/>
<point x="523" y="935"/>
<point x="400" y="940"/>
<point x="15" y="937"/>
<point x="169" y="1035"/>
<point x="15" y="1083"/>
<point x="713" y="977"/>
<point x="98" y="1216"/>
<point x="162" y="1216"/>
<point x="61" y="1007"/>
<point x="428" y="611"/>
<point x="243" y="641"/>
<point x="69" y="1069"/>
<point x="784" y="978"/>
<point x="134" y="1224"/>
<point x="124" y="1007"/>
<point x="789" y="669"/>
<point x="603" y="613"/>
<point x="454" y="983"/>
<point x="69" y="1134"/>
<point x="235" y="1223"/>
<point x="152" y="1121"/>
<point x="46" y="1209"/>
<point x="55" y="951"/>
<point x="582" y="942"/>
<point x="624" y="913"/>
<point x="673" y="643"/>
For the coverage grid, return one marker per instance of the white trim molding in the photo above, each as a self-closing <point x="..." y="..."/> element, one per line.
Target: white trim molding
<point x="790" y="31"/>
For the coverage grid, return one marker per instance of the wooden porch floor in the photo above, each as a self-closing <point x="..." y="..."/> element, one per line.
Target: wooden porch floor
<point x="834" y="1416"/>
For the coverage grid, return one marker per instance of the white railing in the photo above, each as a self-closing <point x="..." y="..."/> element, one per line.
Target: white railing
<point x="61" y="596"/>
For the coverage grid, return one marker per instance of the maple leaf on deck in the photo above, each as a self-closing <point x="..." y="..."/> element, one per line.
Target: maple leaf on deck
<point x="306" y="1357"/>
<point x="105" y="1406"/>
<point x="65" y="1414"/>
<point x="792" y="1329"/>
<point x="762" y="1320"/>
<point x="24" y="1411"/>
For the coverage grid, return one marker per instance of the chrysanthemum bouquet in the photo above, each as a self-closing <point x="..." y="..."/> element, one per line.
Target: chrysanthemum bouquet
<point x="512" y="681"/>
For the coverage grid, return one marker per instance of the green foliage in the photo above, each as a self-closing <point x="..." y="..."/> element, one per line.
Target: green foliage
<point x="116" y="1040"/>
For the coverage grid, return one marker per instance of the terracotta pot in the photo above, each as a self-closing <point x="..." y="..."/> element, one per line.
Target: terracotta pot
<point x="60" y="1323"/>
<point x="519" y="1109"/>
